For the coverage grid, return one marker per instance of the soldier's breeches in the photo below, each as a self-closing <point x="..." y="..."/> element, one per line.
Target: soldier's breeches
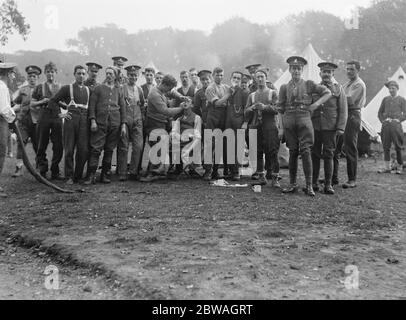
<point x="49" y="128"/>
<point x="133" y="137"/>
<point x="299" y="135"/>
<point x="105" y="139"/>
<point x="351" y="144"/>
<point x="392" y="132"/>
<point x="76" y="137"/>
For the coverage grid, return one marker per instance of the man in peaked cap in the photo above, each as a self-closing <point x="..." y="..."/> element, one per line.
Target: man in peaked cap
<point x="296" y="105"/>
<point x="93" y="69"/>
<point x="27" y="117"/>
<point x="329" y="122"/>
<point x="134" y="100"/>
<point x="7" y="114"/>
<point x="119" y="62"/>
<point x="391" y="114"/>
<point x="252" y="69"/>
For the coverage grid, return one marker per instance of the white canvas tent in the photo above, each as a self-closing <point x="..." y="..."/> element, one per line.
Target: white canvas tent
<point x="310" y="72"/>
<point x="370" y="119"/>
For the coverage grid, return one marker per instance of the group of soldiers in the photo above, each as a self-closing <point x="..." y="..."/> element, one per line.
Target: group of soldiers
<point x="88" y="118"/>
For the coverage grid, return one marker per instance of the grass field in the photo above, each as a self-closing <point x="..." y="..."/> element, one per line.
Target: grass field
<point x="190" y="240"/>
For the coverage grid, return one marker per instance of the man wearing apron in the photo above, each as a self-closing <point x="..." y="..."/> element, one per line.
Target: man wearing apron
<point x="296" y="105"/>
<point x="27" y="117"/>
<point x="134" y="99"/>
<point x="76" y="97"/>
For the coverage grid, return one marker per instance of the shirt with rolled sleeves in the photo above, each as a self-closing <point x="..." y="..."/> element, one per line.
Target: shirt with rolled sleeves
<point x="23" y="99"/>
<point x="216" y="92"/>
<point x="355" y="91"/>
<point x="134" y="100"/>
<point x="298" y="96"/>
<point x="393" y="108"/>
<point x="6" y="110"/>
<point x="332" y="115"/>
<point x="107" y="104"/>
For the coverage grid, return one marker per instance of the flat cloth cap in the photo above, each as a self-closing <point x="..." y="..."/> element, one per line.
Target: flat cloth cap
<point x="33" y="69"/>
<point x="204" y="73"/>
<point x="94" y="65"/>
<point x="327" y="66"/>
<point x="297" y="61"/>
<point x="392" y="83"/>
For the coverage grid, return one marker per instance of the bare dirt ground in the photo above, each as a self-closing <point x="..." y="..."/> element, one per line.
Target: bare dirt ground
<point x="189" y="240"/>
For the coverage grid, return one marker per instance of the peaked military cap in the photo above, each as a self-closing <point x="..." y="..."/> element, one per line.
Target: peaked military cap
<point x="203" y="73"/>
<point x="33" y="69"/>
<point x="94" y="65"/>
<point x="253" y="66"/>
<point x="297" y="61"/>
<point x="327" y="66"/>
<point x="132" y="68"/>
<point x="119" y="59"/>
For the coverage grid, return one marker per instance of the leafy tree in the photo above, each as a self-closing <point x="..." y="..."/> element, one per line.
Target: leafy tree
<point x="11" y="19"/>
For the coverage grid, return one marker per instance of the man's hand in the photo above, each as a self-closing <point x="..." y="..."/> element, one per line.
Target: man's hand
<point x="244" y="126"/>
<point x="260" y="106"/>
<point x="281" y="134"/>
<point x="17" y="108"/>
<point x="93" y="126"/>
<point x="66" y="116"/>
<point x="340" y="133"/>
<point x="123" y="130"/>
<point x="313" y="107"/>
<point x="45" y="101"/>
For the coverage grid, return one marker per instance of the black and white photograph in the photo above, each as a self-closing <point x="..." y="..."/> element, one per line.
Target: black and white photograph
<point x="211" y="152"/>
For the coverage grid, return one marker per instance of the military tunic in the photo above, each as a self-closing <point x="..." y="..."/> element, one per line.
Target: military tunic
<point x="327" y="120"/>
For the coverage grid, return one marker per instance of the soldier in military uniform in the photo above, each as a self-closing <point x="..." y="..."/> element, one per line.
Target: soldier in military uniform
<point x="329" y="121"/>
<point x="119" y="63"/>
<point x="391" y="114"/>
<point x="107" y="114"/>
<point x="93" y="69"/>
<point x="252" y="69"/>
<point x="296" y="105"/>
<point x="27" y="116"/>
<point x="49" y="123"/>
<point x="134" y="100"/>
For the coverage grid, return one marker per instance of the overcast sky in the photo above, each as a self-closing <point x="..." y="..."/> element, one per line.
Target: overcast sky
<point x="54" y="21"/>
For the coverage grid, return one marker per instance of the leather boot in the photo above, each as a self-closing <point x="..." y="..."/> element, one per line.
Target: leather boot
<point x="91" y="179"/>
<point x="328" y="173"/>
<point x="105" y="178"/>
<point x="309" y="190"/>
<point x="293" y="165"/>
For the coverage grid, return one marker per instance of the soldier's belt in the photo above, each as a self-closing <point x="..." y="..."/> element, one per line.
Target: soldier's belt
<point x="78" y="106"/>
<point x="298" y="107"/>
